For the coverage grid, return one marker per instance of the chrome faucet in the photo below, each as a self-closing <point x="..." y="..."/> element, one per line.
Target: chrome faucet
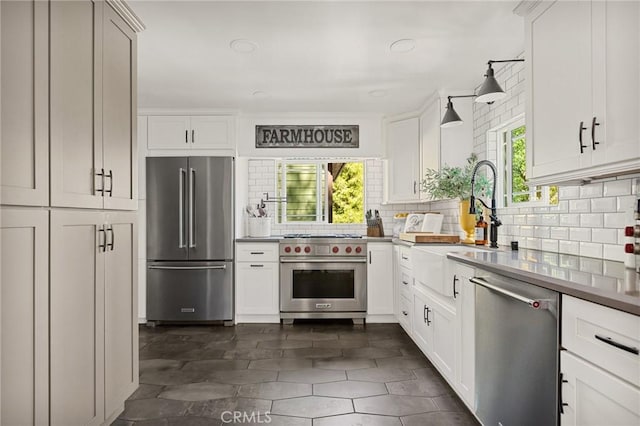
<point x="495" y="222"/>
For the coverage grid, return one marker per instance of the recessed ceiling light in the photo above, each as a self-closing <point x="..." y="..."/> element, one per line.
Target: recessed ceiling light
<point x="243" y="46"/>
<point x="259" y="94"/>
<point x="378" y="93"/>
<point x="403" y="45"/>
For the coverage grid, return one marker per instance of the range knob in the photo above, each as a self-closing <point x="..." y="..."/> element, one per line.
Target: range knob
<point x="297" y="249"/>
<point x="307" y="249"/>
<point x="632" y="231"/>
<point x="348" y="249"/>
<point x="335" y="249"/>
<point x="287" y="249"/>
<point x="358" y="249"/>
<point x="632" y="248"/>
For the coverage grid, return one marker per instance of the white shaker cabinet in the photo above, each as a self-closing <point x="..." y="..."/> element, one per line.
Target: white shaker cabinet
<point x="92" y="106"/>
<point x="464" y="296"/>
<point x="191" y="132"/>
<point x="583" y="107"/>
<point x="24" y="297"/>
<point x="93" y="329"/>
<point x="257" y="288"/>
<point x="380" y="283"/>
<point x="403" y="165"/>
<point x="24" y="103"/>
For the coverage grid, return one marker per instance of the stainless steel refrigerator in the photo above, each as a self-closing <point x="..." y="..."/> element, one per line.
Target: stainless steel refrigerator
<point x="190" y="234"/>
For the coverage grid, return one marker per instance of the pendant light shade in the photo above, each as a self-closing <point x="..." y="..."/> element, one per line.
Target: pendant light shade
<point x="451" y="117"/>
<point x="490" y="91"/>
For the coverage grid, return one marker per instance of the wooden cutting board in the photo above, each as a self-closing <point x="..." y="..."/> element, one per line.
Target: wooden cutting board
<point x="426" y="237"/>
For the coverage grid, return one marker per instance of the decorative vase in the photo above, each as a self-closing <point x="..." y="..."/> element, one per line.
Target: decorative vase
<point x="467" y="222"/>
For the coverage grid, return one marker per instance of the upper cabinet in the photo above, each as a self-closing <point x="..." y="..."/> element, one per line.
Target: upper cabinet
<point x="583" y="105"/>
<point x="191" y="132"/>
<point x="417" y="143"/>
<point x="24" y="103"/>
<point x="93" y="87"/>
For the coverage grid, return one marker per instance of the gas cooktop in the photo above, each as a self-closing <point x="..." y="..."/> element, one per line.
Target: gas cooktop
<point x="322" y="236"/>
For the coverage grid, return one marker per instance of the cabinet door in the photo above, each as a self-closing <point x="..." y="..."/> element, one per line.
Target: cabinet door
<point x="76" y="318"/>
<point x="465" y="332"/>
<point x="257" y="288"/>
<point x="76" y="103"/>
<point x="403" y="138"/>
<point x="616" y="65"/>
<point x="559" y="81"/>
<point x="443" y="322"/>
<point x="25" y="103"/>
<point x="120" y="150"/>
<point x="430" y="140"/>
<point x="212" y="132"/>
<point x="169" y="132"/>
<point x="594" y="397"/>
<point x="24" y="363"/>
<point x="422" y="321"/>
<point x="121" y="302"/>
<point x="380" y="279"/>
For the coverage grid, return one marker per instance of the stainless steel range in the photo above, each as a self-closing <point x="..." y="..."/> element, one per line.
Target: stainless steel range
<point x="323" y="276"/>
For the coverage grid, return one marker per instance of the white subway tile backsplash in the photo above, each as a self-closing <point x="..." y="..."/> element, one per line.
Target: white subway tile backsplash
<point x="591" y="220"/>
<point x="580" y="277"/>
<point x="541" y="231"/>
<point x="591" y="190"/>
<point x="570" y="219"/>
<point x="549" y="245"/>
<point x="580" y="234"/>
<point x="604" y="235"/>
<point x="591" y="249"/>
<point x="559" y="233"/>
<point x="568" y="192"/>
<point x="526" y="231"/>
<point x="534" y="243"/>
<point x="626" y="203"/>
<point x="613" y="252"/>
<point x="605" y="283"/>
<point x="533" y="219"/>
<point x="616" y="220"/>
<point x="617" y="187"/>
<point x="579" y="206"/>
<point x="599" y="205"/>
<point x="550" y="219"/>
<point x="520" y="219"/>
<point x="561" y="207"/>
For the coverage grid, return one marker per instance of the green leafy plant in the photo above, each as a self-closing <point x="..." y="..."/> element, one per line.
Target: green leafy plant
<point x="455" y="182"/>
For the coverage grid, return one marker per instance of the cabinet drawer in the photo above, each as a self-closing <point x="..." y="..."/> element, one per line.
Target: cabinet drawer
<point x="404" y="316"/>
<point x="604" y="336"/>
<point x="405" y="257"/>
<point x="406" y="282"/>
<point x="257" y="252"/>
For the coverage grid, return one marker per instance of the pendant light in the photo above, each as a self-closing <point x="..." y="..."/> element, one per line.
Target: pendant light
<point x="451" y="117"/>
<point x="490" y="91"/>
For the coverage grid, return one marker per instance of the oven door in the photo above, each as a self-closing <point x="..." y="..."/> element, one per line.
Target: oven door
<point x="323" y="285"/>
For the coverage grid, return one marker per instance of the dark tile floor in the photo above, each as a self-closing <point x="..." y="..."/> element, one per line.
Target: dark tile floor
<point x="312" y="373"/>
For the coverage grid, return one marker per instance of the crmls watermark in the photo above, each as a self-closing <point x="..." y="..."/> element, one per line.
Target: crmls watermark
<point x="254" y="417"/>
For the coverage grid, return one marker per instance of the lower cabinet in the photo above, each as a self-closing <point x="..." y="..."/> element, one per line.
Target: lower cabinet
<point x="257" y="282"/>
<point x="93" y="315"/>
<point x="380" y="293"/>
<point x="590" y="396"/>
<point x="24" y="297"/>
<point x="464" y="293"/>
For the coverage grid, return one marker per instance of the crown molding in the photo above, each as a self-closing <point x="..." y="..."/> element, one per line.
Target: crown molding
<point x="525" y="7"/>
<point x="126" y="13"/>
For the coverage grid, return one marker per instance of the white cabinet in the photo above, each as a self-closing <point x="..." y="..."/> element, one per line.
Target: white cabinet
<point x="24" y="103"/>
<point x="403" y="166"/>
<point x="191" y="132"/>
<point x="93" y="329"/>
<point x="24" y="297"/>
<point x="403" y="279"/>
<point x="583" y="124"/>
<point x="380" y="285"/>
<point x="92" y="106"/>
<point x="592" y="397"/>
<point x="464" y="296"/>
<point x="257" y="282"/>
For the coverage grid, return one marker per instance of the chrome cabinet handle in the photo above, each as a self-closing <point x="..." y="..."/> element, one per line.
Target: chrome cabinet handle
<point x="192" y="184"/>
<point x="194" y="268"/>
<point x="582" y="146"/>
<point x="256" y="252"/>
<point x="610" y="341"/>
<point x="102" y="246"/>
<point x="181" y="177"/>
<point x="426" y="315"/>
<point x="594" y="123"/>
<point x="110" y="190"/>
<point x="323" y="260"/>
<point x="101" y="189"/>
<point x="257" y="266"/>
<point x="533" y="303"/>
<point x="455" y="292"/>
<point x="110" y="245"/>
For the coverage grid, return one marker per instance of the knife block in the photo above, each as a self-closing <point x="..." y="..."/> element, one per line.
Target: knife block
<point x="375" y="228"/>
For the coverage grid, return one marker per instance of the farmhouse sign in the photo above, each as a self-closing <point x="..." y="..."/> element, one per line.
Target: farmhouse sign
<point x="307" y="136"/>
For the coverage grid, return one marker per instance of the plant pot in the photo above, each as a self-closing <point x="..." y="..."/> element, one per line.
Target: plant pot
<point x="467" y="222"/>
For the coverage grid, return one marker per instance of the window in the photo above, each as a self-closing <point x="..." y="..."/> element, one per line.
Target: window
<point x="512" y="153"/>
<point x="321" y="192"/>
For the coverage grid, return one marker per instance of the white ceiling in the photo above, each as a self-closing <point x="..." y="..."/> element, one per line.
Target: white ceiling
<point x="317" y="56"/>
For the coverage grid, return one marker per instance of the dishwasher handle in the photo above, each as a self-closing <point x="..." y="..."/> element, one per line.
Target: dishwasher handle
<point x="533" y="303"/>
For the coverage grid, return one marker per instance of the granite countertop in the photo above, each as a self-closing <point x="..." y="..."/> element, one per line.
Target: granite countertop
<point x="604" y="282"/>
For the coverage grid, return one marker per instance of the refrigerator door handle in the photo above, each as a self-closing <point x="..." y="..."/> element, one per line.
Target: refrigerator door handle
<point x="181" y="177"/>
<point x="192" y="213"/>
<point x="189" y="267"/>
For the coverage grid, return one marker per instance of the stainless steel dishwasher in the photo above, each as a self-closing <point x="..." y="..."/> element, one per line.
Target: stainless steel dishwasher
<point x="517" y="343"/>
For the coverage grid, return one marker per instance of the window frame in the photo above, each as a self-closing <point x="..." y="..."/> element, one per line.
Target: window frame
<point x="322" y="205"/>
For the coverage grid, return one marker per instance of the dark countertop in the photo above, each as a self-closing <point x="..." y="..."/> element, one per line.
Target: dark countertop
<point x="277" y="238"/>
<point x="605" y="282"/>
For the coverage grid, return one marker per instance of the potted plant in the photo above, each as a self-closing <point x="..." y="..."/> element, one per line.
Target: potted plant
<point x="455" y="182"/>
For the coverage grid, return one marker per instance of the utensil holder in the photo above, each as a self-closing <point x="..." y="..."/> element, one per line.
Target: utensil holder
<point x="259" y="226"/>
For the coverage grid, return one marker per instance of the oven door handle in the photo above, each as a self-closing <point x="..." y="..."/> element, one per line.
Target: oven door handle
<point x="324" y="260"/>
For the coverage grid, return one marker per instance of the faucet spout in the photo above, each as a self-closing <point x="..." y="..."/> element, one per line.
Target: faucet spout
<point x="495" y="222"/>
